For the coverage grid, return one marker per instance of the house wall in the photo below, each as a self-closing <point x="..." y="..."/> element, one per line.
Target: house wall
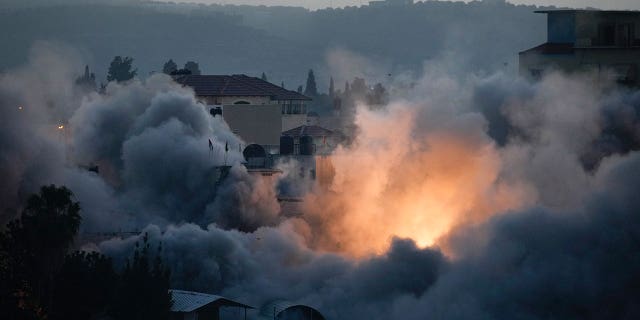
<point x="619" y="62"/>
<point x="561" y="27"/>
<point x="290" y="121"/>
<point x="590" y="26"/>
<point x="260" y="124"/>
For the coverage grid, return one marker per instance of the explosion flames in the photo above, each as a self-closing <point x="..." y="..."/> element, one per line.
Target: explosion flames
<point x="401" y="180"/>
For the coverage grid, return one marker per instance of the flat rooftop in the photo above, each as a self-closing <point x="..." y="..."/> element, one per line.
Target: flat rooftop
<point x="589" y="10"/>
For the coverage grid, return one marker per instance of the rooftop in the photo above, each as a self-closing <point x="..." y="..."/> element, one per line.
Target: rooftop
<point x="552" y="48"/>
<point x="188" y="301"/>
<point x="236" y="85"/>
<point x="588" y="10"/>
<point x="314" y="131"/>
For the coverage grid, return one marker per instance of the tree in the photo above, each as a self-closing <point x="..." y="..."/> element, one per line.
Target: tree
<point x="311" y="90"/>
<point x="359" y="87"/>
<point x="85" y="286"/>
<point x="120" y="69"/>
<point x="193" y="67"/>
<point x="169" y="67"/>
<point x="282" y="85"/>
<point x="181" y="72"/>
<point x="87" y="81"/>
<point x="332" y="88"/>
<point x="37" y="243"/>
<point x="264" y="77"/>
<point x="143" y="292"/>
<point x="38" y="280"/>
<point x="378" y="96"/>
<point x="299" y="89"/>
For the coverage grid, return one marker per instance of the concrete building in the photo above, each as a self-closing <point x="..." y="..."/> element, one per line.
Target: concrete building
<point x="188" y="305"/>
<point x="255" y="110"/>
<point x="587" y="41"/>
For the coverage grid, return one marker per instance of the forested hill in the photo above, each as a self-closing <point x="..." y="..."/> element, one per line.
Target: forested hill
<point x="280" y="41"/>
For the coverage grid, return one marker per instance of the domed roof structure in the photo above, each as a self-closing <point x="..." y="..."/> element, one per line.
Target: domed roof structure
<point x="287" y="310"/>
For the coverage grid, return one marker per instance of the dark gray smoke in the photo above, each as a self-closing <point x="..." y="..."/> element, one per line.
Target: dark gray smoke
<point x="149" y="141"/>
<point x="275" y="263"/>
<point x="570" y="253"/>
<point x="544" y="264"/>
<point x="33" y="101"/>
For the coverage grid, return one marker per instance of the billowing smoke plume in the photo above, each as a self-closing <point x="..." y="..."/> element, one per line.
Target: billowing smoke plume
<point x="401" y="179"/>
<point x="148" y="140"/>
<point x="474" y="198"/>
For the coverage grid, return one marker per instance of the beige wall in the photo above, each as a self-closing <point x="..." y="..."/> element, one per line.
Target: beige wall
<point x="290" y="121"/>
<point x="261" y="124"/>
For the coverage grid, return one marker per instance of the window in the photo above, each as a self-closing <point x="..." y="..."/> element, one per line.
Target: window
<point x="625" y="34"/>
<point x="606" y="34"/>
<point x="242" y="102"/>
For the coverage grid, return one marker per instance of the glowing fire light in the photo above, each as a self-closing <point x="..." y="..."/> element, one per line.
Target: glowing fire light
<point x="60" y="127"/>
<point x="396" y="181"/>
<point x="20" y="108"/>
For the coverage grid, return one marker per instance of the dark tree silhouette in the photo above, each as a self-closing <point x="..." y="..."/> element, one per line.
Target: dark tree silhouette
<point x="181" y="72"/>
<point x="38" y="280"/>
<point x="87" y="81"/>
<point x="36" y="244"/>
<point x="282" y="84"/>
<point x="359" y="87"/>
<point x="193" y="67"/>
<point x="169" y="67"/>
<point x="311" y="90"/>
<point x="120" y="69"/>
<point x="264" y="77"/>
<point x="84" y="286"/>
<point x="378" y="96"/>
<point x="332" y="88"/>
<point x="299" y="89"/>
<point x="148" y="275"/>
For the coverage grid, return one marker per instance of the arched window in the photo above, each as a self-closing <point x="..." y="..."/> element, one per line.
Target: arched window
<point x="242" y="102"/>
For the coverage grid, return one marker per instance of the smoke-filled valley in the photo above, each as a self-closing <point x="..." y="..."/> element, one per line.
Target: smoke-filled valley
<point x="465" y="197"/>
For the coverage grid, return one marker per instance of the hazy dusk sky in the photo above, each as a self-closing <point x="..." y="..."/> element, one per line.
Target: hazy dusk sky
<point x="315" y="4"/>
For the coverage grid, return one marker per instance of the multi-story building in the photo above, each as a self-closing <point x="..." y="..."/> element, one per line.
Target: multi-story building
<point x="587" y="41"/>
<point x="256" y="110"/>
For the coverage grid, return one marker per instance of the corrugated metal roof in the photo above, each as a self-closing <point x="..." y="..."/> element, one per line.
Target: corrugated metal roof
<point x="236" y="85"/>
<point x="187" y="301"/>
<point x="314" y="131"/>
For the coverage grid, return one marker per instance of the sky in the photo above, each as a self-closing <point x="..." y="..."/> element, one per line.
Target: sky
<point x="316" y="4"/>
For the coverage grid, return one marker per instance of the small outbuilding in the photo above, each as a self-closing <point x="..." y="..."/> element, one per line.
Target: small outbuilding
<point x="286" y="310"/>
<point x="188" y="305"/>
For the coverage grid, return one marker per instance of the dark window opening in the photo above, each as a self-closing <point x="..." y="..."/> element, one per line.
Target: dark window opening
<point x="625" y="34"/>
<point x="606" y="34"/>
<point x="215" y="111"/>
